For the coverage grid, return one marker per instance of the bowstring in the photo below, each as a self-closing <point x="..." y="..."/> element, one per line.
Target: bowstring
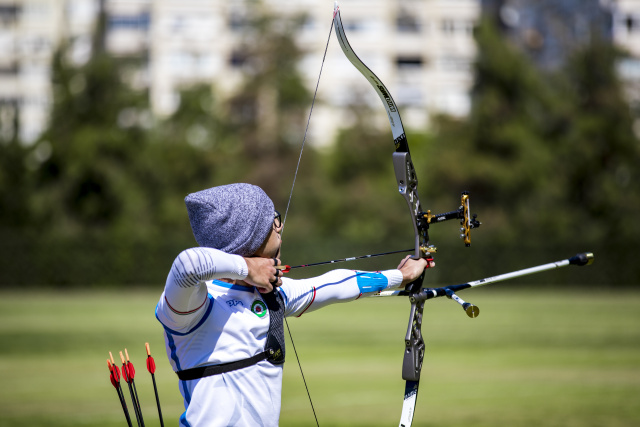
<point x="304" y="139"/>
<point x="286" y="212"/>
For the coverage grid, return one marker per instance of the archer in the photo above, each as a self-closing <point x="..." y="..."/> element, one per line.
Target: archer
<point x="223" y="306"/>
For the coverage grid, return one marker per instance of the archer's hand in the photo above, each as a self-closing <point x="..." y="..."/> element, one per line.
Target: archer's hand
<point x="411" y="269"/>
<point x="263" y="273"/>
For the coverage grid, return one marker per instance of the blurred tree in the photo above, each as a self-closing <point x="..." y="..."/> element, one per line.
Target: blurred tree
<point x="545" y="152"/>
<point x="504" y="152"/>
<point x="96" y="136"/>
<point x="600" y="153"/>
<point x="550" y="158"/>
<point x="90" y="210"/>
<point x="15" y="159"/>
<point x="109" y="178"/>
<point x="267" y="111"/>
<point x="188" y="151"/>
<point x="361" y="204"/>
<point x="546" y="158"/>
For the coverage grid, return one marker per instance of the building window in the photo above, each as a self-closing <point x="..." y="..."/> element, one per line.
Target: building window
<point x="454" y="63"/>
<point x="237" y="58"/>
<point x="629" y="69"/>
<point x="9" y="69"/>
<point x="468" y="27"/>
<point x="631" y="24"/>
<point x="353" y="26"/>
<point x="130" y="22"/>
<point x="8" y="13"/>
<point x="238" y="21"/>
<point x="409" y="62"/>
<point x="406" y="23"/>
<point x="448" y="27"/>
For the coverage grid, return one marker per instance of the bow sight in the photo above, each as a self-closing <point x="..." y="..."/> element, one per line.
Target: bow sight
<point x="408" y="185"/>
<point x="467" y="221"/>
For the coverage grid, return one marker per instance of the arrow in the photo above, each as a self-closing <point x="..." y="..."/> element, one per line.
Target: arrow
<point x="151" y="367"/>
<point x="128" y="372"/>
<point x="288" y="268"/>
<point x="115" y="380"/>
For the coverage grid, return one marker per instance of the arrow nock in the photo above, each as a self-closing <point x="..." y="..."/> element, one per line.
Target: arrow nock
<point x="283" y="268"/>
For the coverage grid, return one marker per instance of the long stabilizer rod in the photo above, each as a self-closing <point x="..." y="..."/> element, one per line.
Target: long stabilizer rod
<point x="473" y="311"/>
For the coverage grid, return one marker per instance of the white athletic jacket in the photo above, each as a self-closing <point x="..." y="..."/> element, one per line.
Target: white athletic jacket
<point x="208" y="322"/>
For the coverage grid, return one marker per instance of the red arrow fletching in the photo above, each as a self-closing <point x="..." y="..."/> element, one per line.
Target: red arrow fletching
<point x="151" y="365"/>
<point x="113" y="380"/>
<point x="125" y="374"/>
<point x="116" y="373"/>
<point x="132" y="371"/>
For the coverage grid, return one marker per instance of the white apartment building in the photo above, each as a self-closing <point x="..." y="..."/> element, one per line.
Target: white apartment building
<point x="29" y="33"/>
<point x="421" y="49"/>
<point x="626" y="33"/>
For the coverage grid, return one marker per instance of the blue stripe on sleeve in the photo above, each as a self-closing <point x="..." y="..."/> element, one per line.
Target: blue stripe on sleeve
<point x="372" y="282"/>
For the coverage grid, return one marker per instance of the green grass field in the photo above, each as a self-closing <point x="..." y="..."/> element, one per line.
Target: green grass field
<point x="561" y="359"/>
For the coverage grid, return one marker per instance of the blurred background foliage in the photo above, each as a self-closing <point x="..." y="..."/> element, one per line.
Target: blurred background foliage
<point x="550" y="158"/>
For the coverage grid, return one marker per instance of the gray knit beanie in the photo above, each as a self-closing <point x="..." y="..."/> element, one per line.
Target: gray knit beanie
<point x="235" y="218"/>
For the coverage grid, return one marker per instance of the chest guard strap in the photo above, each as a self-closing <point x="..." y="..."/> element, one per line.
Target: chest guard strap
<point x="274" y="349"/>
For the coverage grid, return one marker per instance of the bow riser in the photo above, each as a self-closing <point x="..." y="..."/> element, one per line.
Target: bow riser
<point x="408" y="188"/>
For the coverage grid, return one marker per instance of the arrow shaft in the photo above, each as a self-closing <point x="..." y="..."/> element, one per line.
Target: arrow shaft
<point x="137" y="402"/>
<point x="334" y="261"/>
<point x="155" y="389"/>
<point x="123" y="402"/>
<point x="135" y="406"/>
<point x="151" y="367"/>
